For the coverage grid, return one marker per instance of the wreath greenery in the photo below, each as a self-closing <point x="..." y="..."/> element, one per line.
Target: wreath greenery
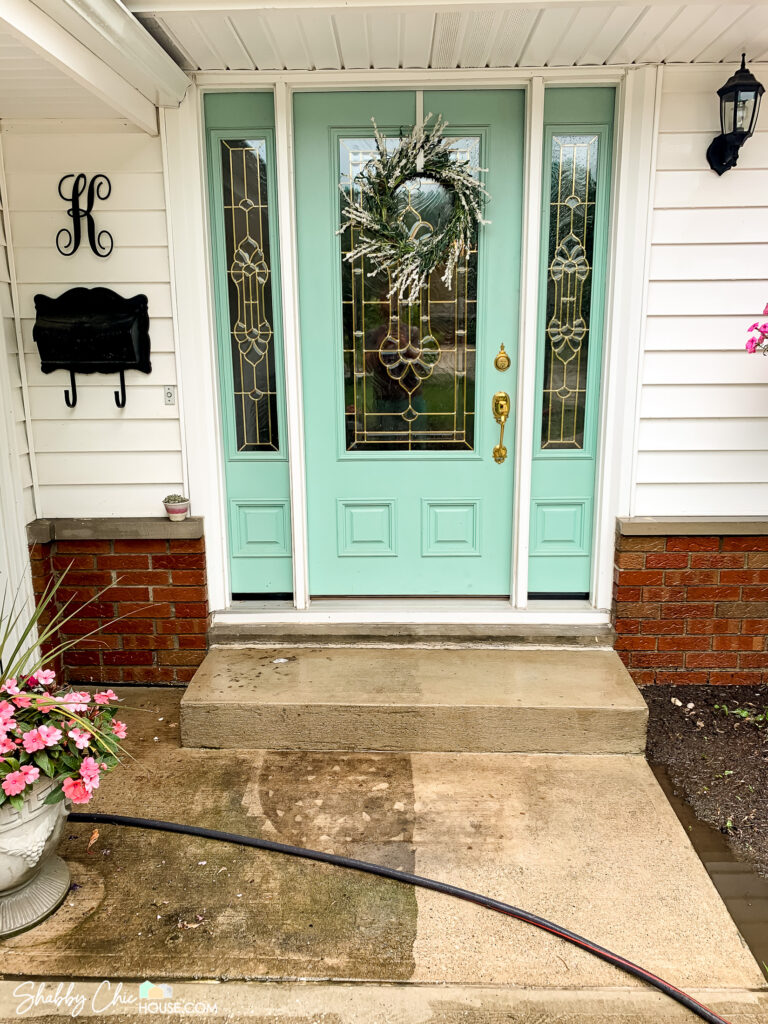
<point x="374" y="210"/>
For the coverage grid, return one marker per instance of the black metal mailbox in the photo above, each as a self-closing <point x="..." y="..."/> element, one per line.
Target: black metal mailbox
<point x="92" y="330"/>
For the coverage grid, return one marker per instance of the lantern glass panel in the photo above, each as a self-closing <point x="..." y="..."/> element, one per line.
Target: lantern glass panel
<point x="729" y="113"/>
<point x="745" y="108"/>
<point x="738" y="111"/>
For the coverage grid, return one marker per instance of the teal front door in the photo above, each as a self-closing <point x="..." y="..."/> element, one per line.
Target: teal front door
<point x="403" y="494"/>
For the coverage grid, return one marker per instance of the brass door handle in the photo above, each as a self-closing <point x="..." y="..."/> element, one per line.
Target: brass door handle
<point x="500" y="408"/>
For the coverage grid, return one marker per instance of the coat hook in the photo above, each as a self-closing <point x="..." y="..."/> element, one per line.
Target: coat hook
<point x="120" y="395"/>
<point x="71" y="400"/>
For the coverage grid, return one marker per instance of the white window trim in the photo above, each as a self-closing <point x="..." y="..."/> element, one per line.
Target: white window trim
<point x="182" y="131"/>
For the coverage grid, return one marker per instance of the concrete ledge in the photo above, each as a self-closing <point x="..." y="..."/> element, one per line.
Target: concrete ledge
<point x="403" y="634"/>
<point x="693" y="526"/>
<point x="43" y="531"/>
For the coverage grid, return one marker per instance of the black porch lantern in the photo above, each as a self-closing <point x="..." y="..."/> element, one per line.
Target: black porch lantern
<point x="739" y="104"/>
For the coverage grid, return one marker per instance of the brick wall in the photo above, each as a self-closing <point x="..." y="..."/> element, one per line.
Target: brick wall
<point x="159" y="588"/>
<point x="692" y="609"/>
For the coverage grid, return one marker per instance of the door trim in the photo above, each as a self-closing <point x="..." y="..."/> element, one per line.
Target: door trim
<point x="183" y="141"/>
<point x="529" y="338"/>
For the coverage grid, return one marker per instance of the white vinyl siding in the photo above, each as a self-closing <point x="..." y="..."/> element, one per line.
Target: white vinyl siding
<point x="702" y="438"/>
<point x="10" y="354"/>
<point x="96" y="459"/>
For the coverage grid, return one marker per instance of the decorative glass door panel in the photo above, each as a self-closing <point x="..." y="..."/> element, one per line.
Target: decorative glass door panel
<point x="246" y="232"/>
<point x="404" y="496"/>
<point x="241" y="170"/>
<point x="576" y="186"/>
<point x="573" y="192"/>
<point x="409" y="371"/>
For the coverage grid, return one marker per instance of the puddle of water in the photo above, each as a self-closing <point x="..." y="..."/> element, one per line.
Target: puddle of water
<point x="743" y="891"/>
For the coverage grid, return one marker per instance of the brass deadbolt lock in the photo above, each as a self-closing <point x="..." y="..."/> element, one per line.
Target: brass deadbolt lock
<point x="502" y="360"/>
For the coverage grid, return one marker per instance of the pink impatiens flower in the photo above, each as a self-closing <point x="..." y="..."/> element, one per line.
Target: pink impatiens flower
<point x="6" y="745"/>
<point x="44" y="676"/>
<point x="30" y="773"/>
<point x="89" y="772"/>
<point x="119" y="729"/>
<point x="80" y="737"/>
<point x="74" y="790"/>
<point x="44" y="702"/>
<point x="22" y="700"/>
<point x="49" y="734"/>
<point x="6" y="715"/>
<point x="758" y="342"/>
<point x="9" y="686"/>
<point x="77" y="701"/>
<point x="105" y="696"/>
<point x="13" y="783"/>
<point x="33" y="741"/>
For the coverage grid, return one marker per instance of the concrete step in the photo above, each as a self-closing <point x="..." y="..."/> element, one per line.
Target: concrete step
<point x="226" y="629"/>
<point x="411" y="699"/>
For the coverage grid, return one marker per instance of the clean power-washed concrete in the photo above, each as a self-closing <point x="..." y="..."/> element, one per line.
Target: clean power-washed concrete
<point x="587" y="841"/>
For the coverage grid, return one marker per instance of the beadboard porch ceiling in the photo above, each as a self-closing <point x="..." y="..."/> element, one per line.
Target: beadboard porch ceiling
<point x="31" y="86"/>
<point x="302" y="35"/>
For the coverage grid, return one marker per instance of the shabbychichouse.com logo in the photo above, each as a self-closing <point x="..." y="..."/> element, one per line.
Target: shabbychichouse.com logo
<point x="149" y="990"/>
<point x="157" y="997"/>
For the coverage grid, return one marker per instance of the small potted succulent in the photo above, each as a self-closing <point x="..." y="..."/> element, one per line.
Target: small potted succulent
<point x="55" y="745"/>
<point x="176" y="506"/>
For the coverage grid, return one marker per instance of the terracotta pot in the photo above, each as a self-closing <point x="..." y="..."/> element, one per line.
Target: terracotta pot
<point x="33" y="880"/>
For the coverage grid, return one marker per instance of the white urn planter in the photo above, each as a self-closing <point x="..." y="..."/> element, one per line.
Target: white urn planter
<point x="33" y="880"/>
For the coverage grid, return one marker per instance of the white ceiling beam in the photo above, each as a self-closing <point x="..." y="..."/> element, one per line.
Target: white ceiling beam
<point x="110" y="31"/>
<point x="40" y="33"/>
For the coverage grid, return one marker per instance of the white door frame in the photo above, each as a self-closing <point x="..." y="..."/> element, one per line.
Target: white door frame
<point x="182" y="131"/>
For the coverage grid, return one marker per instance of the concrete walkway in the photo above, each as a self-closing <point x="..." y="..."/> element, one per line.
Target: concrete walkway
<point x="587" y="841"/>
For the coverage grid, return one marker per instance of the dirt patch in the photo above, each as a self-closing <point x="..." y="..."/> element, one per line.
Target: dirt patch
<point x="716" y="758"/>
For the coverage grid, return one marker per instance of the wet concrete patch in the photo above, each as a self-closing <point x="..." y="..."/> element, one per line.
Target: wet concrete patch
<point x="744" y="892"/>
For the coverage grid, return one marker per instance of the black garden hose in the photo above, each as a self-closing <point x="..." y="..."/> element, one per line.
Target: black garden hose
<point x="424" y="883"/>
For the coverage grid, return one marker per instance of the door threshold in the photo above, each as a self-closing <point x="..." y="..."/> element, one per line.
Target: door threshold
<point x="412" y="611"/>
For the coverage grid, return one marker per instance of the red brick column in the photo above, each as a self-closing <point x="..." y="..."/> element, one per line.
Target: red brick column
<point x="692" y="609"/>
<point x="155" y="588"/>
<point x="42" y="577"/>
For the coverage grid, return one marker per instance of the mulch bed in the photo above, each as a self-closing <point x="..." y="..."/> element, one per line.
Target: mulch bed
<point x="717" y="761"/>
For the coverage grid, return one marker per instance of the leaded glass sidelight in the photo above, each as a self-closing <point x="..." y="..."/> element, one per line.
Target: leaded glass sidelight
<point x="409" y="371"/>
<point x="570" y="263"/>
<point x="246" y="232"/>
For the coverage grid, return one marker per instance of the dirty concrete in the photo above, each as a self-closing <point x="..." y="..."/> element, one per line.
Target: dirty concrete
<point x="588" y="841"/>
<point x="578" y="702"/>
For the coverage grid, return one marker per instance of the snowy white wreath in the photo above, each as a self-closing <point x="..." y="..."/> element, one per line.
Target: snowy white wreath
<point x="375" y="213"/>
